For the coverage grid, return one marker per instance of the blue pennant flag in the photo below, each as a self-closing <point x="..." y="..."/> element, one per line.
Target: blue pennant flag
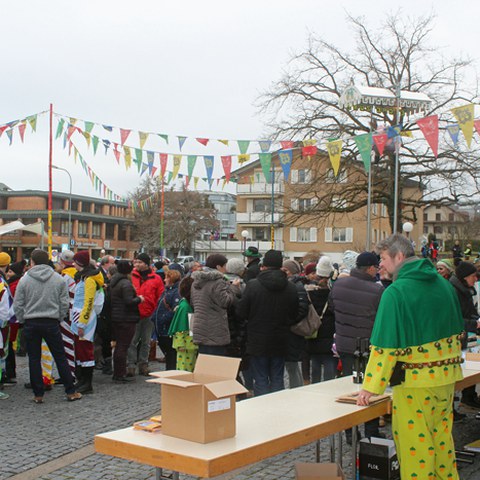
<point x="286" y="158"/>
<point x="265" y="145"/>
<point x="453" y="129"/>
<point x="209" y="162"/>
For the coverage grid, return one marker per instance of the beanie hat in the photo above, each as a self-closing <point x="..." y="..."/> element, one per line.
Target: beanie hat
<point x="446" y="263"/>
<point x="310" y="268"/>
<point x="67" y="257"/>
<point x="5" y="259"/>
<point x="82" y="258"/>
<point x="177" y="267"/>
<point x="273" y="259"/>
<point x="349" y="258"/>
<point x="292" y="266"/>
<point x="236" y="266"/>
<point x="18" y="267"/>
<point x="464" y="269"/>
<point x="367" y="259"/>
<point x="252" y="252"/>
<point x="143" y="257"/>
<point x="124" y="266"/>
<point x="324" y="266"/>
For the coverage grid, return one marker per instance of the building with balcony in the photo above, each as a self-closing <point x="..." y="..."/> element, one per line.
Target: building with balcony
<point x="447" y="224"/>
<point x="225" y="204"/>
<point x="96" y="224"/>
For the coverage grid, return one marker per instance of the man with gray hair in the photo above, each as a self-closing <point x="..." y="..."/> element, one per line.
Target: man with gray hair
<point x="416" y="346"/>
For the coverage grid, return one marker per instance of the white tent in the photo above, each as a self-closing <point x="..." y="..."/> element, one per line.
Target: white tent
<point x="37" y="227"/>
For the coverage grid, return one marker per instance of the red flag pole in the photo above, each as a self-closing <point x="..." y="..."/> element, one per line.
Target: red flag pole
<point x="50" y="186"/>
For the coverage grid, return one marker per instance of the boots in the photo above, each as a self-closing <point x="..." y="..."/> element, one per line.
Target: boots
<point x="79" y="377"/>
<point x="143" y="369"/>
<point x="107" y="366"/>
<point x="86" y="386"/>
<point x="152" y="356"/>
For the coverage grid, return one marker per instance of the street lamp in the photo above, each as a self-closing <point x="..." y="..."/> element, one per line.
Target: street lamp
<point x="69" y="204"/>
<point x="244" y="235"/>
<point x="407" y="227"/>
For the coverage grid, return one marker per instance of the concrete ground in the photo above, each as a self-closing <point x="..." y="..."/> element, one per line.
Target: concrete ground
<point x="54" y="440"/>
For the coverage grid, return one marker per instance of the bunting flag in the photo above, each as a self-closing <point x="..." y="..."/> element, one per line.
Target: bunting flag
<point x="124" y="133"/>
<point x="138" y="163"/>
<point x="108" y="128"/>
<point x="453" y="130"/>
<point x="139" y="154"/>
<point x="209" y="161"/>
<point x="380" y="142"/>
<point x="116" y="152"/>
<point x="143" y="137"/>
<point x="181" y="141"/>
<point x="164" y="137"/>
<point x="10" y="135"/>
<point x="309" y="151"/>
<point x="265" y="145"/>
<point x="163" y="164"/>
<point x="32" y="120"/>
<point x="244" y="157"/>
<point x="187" y="181"/>
<point x="72" y="121"/>
<point x="89" y="126"/>
<point x="266" y="164"/>
<point x="225" y="142"/>
<point x="476" y="124"/>
<point x="127" y="156"/>
<point x="191" y="161"/>
<point x="243" y="146"/>
<point x="21" y="130"/>
<point x="334" y="149"/>
<point x="195" y="182"/>
<point x="227" y="166"/>
<point x="286" y="158"/>
<point x="464" y="116"/>
<point x="203" y="141"/>
<point x="429" y="128"/>
<point x="2" y="129"/>
<point x="95" y="140"/>
<point x="87" y="137"/>
<point x="60" y="125"/>
<point x="364" y="144"/>
<point x="144" y="168"/>
<point x="150" y="160"/>
<point x="170" y="174"/>
<point x="106" y="144"/>
<point x="177" y="161"/>
<point x="286" y="145"/>
<point x="394" y="131"/>
<point x="309" y="142"/>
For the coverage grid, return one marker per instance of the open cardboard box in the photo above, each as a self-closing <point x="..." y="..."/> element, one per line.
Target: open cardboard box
<point x="318" y="471"/>
<point x="200" y="406"/>
<point x="472" y="361"/>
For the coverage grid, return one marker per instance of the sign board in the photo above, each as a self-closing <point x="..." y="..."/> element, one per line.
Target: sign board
<point x="64" y="246"/>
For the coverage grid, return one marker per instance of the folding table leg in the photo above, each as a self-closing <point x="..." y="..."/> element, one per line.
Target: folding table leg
<point x="340" y="448"/>
<point x="331" y="438"/>
<point x="354" y="452"/>
<point x="160" y="476"/>
<point x="317" y="451"/>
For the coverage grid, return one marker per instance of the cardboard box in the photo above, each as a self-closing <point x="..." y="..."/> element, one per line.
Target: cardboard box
<point x="200" y="406"/>
<point x="378" y="459"/>
<point x="318" y="471"/>
<point x="472" y="361"/>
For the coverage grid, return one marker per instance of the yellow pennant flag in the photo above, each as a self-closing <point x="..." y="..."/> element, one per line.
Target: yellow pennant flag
<point x="87" y="137"/>
<point x="143" y="136"/>
<point x="308" y="142"/>
<point x="335" y="152"/>
<point x="177" y="160"/>
<point x="464" y="116"/>
<point x="128" y="157"/>
<point x="225" y="142"/>
<point x="195" y="182"/>
<point x="406" y="133"/>
<point x="244" y="157"/>
<point x="252" y="179"/>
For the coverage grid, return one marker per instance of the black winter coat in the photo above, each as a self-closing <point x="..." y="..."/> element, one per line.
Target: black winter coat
<point x="124" y="299"/>
<point x="270" y="306"/>
<point x="296" y="343"/>
<point x="324" y="341"/>
<point x="469" y="312"/>
<point x="355" y="302"/>
<point x="253" y="269"/>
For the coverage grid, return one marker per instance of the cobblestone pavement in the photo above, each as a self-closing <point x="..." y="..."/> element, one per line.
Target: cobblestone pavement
<point x="33" y="435"/>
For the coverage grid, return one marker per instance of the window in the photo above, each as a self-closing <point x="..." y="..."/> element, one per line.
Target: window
<point x="302" y="204"/>
<point x="109" y="231"/>
<point x="425" y="217"/>
<point x="339" y="234"/>
<point x="122" y="233"/>
<point x="301" y="176"/>
<point x="384" y="210"/>
<point x="55" y="226"/>
<point x="340" y="178"/>
<point x="57" y="204"/>
<point x="260" y="234"/>
<point x="96" y="230"/>
<point x="437" y="229"/>
<point x="261" y="204"/>
<point x="339" y="202"/>
<point x="451" y="217"/>
<point x="65" y="228"/>
<point x="425" y="229"/>
<point x="83" y="229"/>
<point x="98" y="209"/>
<point x="303" y="234"/>
<point x="438" y="217"/>
<point x="75" y="205"/>
<point x="375" y="209"/>
<point x="86" y="207"/>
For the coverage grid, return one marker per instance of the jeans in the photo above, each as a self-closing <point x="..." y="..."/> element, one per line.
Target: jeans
<point x="212" y="350"/>
<point x="165" y="344"/>
<point x="140" y="347"/>
<point x="267" y="374"/>
<point x="329" y="363"/>
<point x="48" y="329"/>
<point x="295" y="378"/>
<point x="123" y="333"/>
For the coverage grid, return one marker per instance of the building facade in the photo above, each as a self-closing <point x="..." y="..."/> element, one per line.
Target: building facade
<point x="225" y="205"/>
<point x="446" y="223"/>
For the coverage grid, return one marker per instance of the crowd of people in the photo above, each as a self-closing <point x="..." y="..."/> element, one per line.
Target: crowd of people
<point x="114" y="313"/>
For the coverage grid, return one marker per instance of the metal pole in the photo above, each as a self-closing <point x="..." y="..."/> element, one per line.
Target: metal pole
<point x="49" y="202"/>
<point x="69" y="204"/>
<point x="272" y="228"/>
<point x="162" y="217"/>
<point x="397" y="159"/>
<point x="369" y="208"/>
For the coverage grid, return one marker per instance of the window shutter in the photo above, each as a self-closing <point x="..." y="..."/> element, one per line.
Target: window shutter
<point x="313" y="234"/>
<point x="314" y="201"/>
<point x="349" y="234"/>
<point x="293" y="234"/>
<point x="308" y="176"/>
<point x="294" y="176"/>
<point x="294" y="204"/>
<point x="328" y="234"/>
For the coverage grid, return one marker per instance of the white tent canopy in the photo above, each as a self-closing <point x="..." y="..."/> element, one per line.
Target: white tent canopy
<point x="37" y="227"/>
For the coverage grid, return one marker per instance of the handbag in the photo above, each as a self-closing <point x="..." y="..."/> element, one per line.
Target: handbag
<point x="309" y="325"/>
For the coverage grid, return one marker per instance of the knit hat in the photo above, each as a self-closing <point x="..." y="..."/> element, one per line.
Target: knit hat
<point x="367" y="259"/>
<point x="273" y="259"/>
<point x="446" y="263"/>
<point x="292" y="266"/>
<point x="124" y="266"/>
<point x="67" y="257"/>
<point x="252" y="252"/>
<point x="178" y="267"/>
<point x="143" y="257"/>
<point x="5" y="259"/>
<point x="324" y="266"/>
<point x="82" y="258"/>
<point x="464" y="269"/>
<point x="18" y="267"/>
<point x="236" y="266"/>
<point x="349" y="258"/>
<point x="310" y="268"/>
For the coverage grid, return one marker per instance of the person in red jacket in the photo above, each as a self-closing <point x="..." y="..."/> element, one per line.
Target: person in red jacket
<point x="150" y="286"/>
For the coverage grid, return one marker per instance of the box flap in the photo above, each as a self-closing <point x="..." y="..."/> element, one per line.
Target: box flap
<point x="474" y="357"/>
<point x="170" y="373"/>
<point x="225" y="388"/>
<point x="225" y="367"/>
<point x="315" y="471"/>
<point x="174" y="382"/>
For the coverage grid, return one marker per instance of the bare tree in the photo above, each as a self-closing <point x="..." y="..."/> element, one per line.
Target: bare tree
<point x="304" y="104"/>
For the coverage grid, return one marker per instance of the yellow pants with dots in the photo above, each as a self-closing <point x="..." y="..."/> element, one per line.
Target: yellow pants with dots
<point x="422" y="429"/>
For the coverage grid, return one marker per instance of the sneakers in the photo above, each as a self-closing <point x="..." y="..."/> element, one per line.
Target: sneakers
<point x="4" y="396"/>
<point x="71" y="397"/>
<point x="143" y="370"/>
<point x="8" y="382"/>
<point x="38" y="399"/>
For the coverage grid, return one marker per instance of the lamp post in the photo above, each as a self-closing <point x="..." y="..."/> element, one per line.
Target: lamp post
<point x="407" y="227"/>
<point x="69" y="204"/>
<point x="244" y="236"/>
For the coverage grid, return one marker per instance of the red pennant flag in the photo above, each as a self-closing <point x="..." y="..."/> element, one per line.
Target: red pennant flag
<point x="2" y="129"/>
<point x="154" y="169"/>
<point x="476" y="124"/>
<point x="71" y="131"/>
<point x="187" y="181"/>
<point x="116" y="152"/>
<point x="203" y="141"/>
<point x="21" y="130"/>
<point x="124" y="135"/>
<point x="70" y="145"/>
<point x="227" y="166"/>
<point x="286" y="145"/>
<point x="429" y="128"/>
<point x="309" y="151"/>
<point x="163" y="163"/>
<point x="380" y="142"/>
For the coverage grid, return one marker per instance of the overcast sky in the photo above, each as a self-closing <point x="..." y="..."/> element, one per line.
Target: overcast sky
<point x="180" y="68"/>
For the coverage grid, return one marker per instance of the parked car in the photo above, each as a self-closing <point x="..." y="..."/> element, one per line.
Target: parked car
<point x="182" y="260"/>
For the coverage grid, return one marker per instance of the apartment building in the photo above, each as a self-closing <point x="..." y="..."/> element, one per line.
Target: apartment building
<point x="446" y="223"/>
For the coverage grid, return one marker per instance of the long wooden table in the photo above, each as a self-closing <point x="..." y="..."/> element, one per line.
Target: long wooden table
<point x="266" y="426"/>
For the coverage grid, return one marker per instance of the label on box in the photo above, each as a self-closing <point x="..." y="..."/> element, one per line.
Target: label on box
<point x="217" y="405"/>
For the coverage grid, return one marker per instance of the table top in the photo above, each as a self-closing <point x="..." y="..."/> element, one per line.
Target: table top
<point x="266" y="426"/>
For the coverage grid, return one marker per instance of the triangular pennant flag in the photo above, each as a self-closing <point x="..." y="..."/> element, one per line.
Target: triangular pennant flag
<point x="453" y="130"/>
<point x="334" y="149"/>
<point x="195" y="182"/>
<point x="124" y="133"/>
<point x="32" y="120"/>
<point x="181" y="141"/>
<point x="138" y="163"/>
<point x="476" y="124"/>
<point x="252" y="179"/>
<point x="393" y="131"/>
<point x="243" y="158"/>
<point x="218" y="182"/>
<point x="187" y="181"/>
<point x="144" y="168"/>
<point x="309" y="151"/>
<point x="139" y="154"/>
<point x="163" y="163"/>
<point x="177" y="161"/>
<point x="286" y="145"/>
<point x="380" y="142"/>
<point x="127" y="156"/>
<point x="106" y="144"/>
<point x="165" y="137"/>
<point x="21" y="130"/>
<point x="70" y="131"/>
<point x="225" y="142"/>
<point x="209" y="161"/>
<point x="169" y="177"/>
<point x="227" y="166"/>
<point x="152" y="173"/>
<point x="203" y="141"/>
<point x="364" y="145"/>
<point x="10" y="135"/>
<point x="61" y="123"/>
<point x="108" y="128"/>
<point x="210" y="183"/>
<point x="12" y="123"/>
<point x="95" y="140"/>
<point x="72" y="121"/>
<point x="265" y="145"/>
<point x="266" y="164"/>
<point x="89" y="126"/>
<point x="150" y="159"/>
<point x="464" y="116"/>
<point x="191" y="160"/>
<point x="2" y="129"/>
<point x="143" y="137"/>
<point x="309" y="142"/>
<point x="243" y="146"/>
<point x="223" y="183"/>
<point x="429" y="128"/>
<point x="286" y="158"/>
<point x="87" y="136"/>
<point x="65" y="140"/>
<point x="116" y="152"/>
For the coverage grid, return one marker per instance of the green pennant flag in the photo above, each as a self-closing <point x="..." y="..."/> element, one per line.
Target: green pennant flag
<point x="95" y="140"/>
<point x="89" y="126"/>
<point x="165" y="137"/>
<point x="266" y="163"/>
<point x="139" y="154"/>
<point x="170" y="175"/>
<point x="192" y="160"/>
<point x="364" y="144"/>
<point x="32" y="120"/>
<point x="61" y="123"/>
<point x="243" y="146"/>
<point x="138" y="162"/>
